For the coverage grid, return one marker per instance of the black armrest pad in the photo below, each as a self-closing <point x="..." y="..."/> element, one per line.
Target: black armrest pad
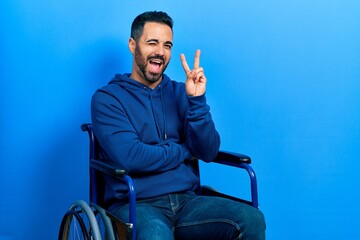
<point x="110" y="168"/>
<point x="231" y="157"/>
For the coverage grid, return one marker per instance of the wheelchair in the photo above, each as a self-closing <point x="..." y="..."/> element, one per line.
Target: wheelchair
<point x="91" y="221"/>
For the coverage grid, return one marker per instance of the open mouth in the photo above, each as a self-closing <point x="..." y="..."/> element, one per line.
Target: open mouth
<point x="155" y="65"/>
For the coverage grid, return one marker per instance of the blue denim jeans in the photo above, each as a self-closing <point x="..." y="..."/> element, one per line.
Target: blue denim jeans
<point x="188" y="216"/>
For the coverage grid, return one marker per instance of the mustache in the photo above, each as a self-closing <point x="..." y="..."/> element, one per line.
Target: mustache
<point x="159" y="57"/>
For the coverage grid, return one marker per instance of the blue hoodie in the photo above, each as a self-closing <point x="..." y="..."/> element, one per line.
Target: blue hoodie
<point x="152" y="134"/>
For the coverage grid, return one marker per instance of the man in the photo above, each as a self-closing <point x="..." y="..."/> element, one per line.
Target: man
<point x="153" y="127"/>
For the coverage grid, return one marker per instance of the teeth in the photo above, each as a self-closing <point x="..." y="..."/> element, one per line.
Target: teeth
<point x="158" y="62"/>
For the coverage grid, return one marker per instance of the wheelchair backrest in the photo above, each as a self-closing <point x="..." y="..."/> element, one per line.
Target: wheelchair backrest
<point x="97" y="183"/>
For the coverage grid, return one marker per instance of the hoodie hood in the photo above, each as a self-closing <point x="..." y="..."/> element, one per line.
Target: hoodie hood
<point x="125" y="81"/>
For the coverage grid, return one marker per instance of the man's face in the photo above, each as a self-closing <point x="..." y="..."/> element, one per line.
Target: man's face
<point x="152" y="53"/>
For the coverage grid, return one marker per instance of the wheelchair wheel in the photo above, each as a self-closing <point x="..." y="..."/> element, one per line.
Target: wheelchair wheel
<point x="104" y="223"/>
<point x="73" y="227"/>
<point x="79" y="223"/>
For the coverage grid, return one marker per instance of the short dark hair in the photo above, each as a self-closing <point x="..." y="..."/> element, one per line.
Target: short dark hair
<point x="137" y="27"/>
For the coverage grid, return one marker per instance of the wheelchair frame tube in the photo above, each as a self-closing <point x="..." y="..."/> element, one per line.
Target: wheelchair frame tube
<point x="253" y="183"/>
<point x="252" y="175"/>
<point x="132" y="203"/>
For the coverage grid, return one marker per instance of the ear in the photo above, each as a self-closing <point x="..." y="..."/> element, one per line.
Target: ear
<point x="132" y="45"/>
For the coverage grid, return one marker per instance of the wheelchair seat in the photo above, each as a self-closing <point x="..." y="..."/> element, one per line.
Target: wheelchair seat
<point x="92" y="221"/>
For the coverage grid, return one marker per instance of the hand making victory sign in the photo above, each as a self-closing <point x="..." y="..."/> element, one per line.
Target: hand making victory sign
<point x="195" y="83"/>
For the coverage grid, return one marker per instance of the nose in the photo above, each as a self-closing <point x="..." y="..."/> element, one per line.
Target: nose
<point x="160" y="50"/>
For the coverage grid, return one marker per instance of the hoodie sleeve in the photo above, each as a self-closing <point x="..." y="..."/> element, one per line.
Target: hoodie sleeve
<point x="119" y="140"/>
<point x="202" y="137"/>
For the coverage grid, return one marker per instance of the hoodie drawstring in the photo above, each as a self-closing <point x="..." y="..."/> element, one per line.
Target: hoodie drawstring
<point x="163" y="110"/>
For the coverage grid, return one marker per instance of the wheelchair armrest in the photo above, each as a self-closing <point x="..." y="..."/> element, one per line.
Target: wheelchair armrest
<point x="110" y="168"/>
<point x="231" y="158"/>
<point x="240" y="161"/>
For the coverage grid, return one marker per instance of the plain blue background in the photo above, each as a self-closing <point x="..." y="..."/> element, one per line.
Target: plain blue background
<point x="283" y="85"/>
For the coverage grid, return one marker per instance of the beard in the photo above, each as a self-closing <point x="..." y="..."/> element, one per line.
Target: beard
<point x="143" y="62"/>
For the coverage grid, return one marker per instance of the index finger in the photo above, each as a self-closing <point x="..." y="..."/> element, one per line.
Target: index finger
<point x="197" y="59"/>
<point x="184" y="63"/>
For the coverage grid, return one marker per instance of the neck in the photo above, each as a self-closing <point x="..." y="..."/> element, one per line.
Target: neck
<point x="142" y="79"/>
